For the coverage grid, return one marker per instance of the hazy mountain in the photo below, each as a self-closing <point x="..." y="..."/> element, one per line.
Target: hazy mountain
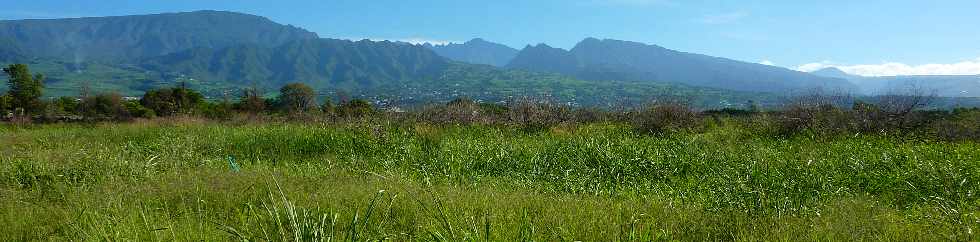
<point x="834" y="72"/>
<point x="218" y="52"/>
<point x="947" y="85"/>
<point x="322" y="63"/>
<point x="476" y="51"/>
<point x="132" y="37"/>
<point x="595" y="59"/>
<point x="545" y="58"/>
<point x="10" y="50"/>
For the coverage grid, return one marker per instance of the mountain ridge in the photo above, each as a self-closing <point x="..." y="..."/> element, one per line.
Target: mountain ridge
<point x="132" y="37"/>
<point x="476" y="51"/>
<point x="610" y="59"/>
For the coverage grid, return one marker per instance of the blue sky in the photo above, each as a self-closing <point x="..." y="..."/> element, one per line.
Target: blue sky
<point x="868" y="37"/>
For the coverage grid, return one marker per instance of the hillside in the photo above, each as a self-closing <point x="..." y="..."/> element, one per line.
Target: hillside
<point x="476" y="51"/>
<point x="132" y="54"/>
<point x="127" y="38"/>
<point x="594" y="59"/>
<point x="409" y="74"/>
<point x="321" y="63"/>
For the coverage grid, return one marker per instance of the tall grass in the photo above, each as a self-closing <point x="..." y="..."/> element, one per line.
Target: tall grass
<point x="415" y="181"/>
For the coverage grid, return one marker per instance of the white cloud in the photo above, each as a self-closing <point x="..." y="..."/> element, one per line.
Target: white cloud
<point x="767" y="62"/>
<point x="968" y="67"/>
<point x="411" y="40"/>
<point x="426" y="40"/>
<point x="723" y="18"/>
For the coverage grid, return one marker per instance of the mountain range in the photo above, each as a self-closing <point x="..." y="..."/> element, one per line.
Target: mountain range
<point x="476" y="51"/>
<point x="128" y="38"/>
<point x="318" y="62"/>
<point x="939" y="85"/>
<point x="595" y="59"/>
<point x="221" y="52"/>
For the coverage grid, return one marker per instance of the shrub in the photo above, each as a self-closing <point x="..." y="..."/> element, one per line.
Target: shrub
<point x="593" y="115"/>
<point x="136" y="110"/>
<point x="328" y="108"/>
<point x="220" y="110"/>
<point x="104" y="107"/>
<point x="251" y="102"/>
<point x="6" y="103"/>
<point x="535" y="115"/>
<point x="666" y="117"/>
<point x="172" y="101"/>
<point x="964" y="124"/>
<point x="731" y="112"/>
<point x="816" y="113"/>
<point x="822" y="119"/>
<point x="65" y="105"/>
<point x="458" y="111"/>
<point x="356" y="108"/>
<point x="296" y="98"/>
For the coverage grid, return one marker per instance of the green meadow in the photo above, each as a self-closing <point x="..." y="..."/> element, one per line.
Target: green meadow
<point x="176" y="179"/>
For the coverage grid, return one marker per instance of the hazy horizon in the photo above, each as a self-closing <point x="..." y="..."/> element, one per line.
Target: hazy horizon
<point x="900" y="37"/>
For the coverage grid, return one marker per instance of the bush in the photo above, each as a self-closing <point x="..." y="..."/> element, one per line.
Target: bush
<point x="459" y="111"/>
<point x="296" y="98"/>
<point x="822" y="119"/>
<point x="535" y="115"/>
<point x="6" y="103"/>
<point x="251" y="102"/>
<point x="964" y="124"/>
<point x="104" y="107"/>
<point x="356" y="108"/>
<point x="667" y="117"/>
<point x="328" y="108"/>
<point x="593" y="115"/>
<point x="221" y="110"/>
<point x="172" y="101"/>
<point x="136" y="110"/>
<point x="65" y="105"/>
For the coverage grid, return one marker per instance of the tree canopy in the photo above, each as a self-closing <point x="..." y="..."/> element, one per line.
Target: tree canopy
<point x="25" y="90"/>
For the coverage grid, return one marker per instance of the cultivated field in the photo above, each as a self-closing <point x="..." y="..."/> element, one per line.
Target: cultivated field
<point x="177" y="179"/>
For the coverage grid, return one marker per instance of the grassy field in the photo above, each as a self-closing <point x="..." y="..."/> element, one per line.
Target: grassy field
<point x="195" y="180"/>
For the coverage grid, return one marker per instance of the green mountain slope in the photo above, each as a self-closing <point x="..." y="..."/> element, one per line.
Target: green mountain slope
<point x="594" y="59"/>
<point x="322" y="63"/>
<point x="476" y="51"/>
<point x="127" y="38"/>
<point x="220" y="53"/>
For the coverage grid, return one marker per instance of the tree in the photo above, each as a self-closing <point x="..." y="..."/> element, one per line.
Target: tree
<point x="25" y="90"/>
<point x="6" y="104"/>
<point x="172" y="101"/>
<point x="65" y="105"/>
<point x="136" y="110"/>
<point x="109" y="106"/>
<point x="355" y="108"/>
<point x="296" y="98"/>
<point x="327" y="107"/>
<point x="251" y="101"/>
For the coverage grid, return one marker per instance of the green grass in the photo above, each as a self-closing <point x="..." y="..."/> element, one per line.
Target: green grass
<point x="163" y="181"/>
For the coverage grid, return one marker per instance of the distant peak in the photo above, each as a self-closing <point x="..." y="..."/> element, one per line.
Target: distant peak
<point x="217" y="12"/>
<point x="597" y="41"/>
<point x="831" y="70"/>
<point x="477" y="40"/>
